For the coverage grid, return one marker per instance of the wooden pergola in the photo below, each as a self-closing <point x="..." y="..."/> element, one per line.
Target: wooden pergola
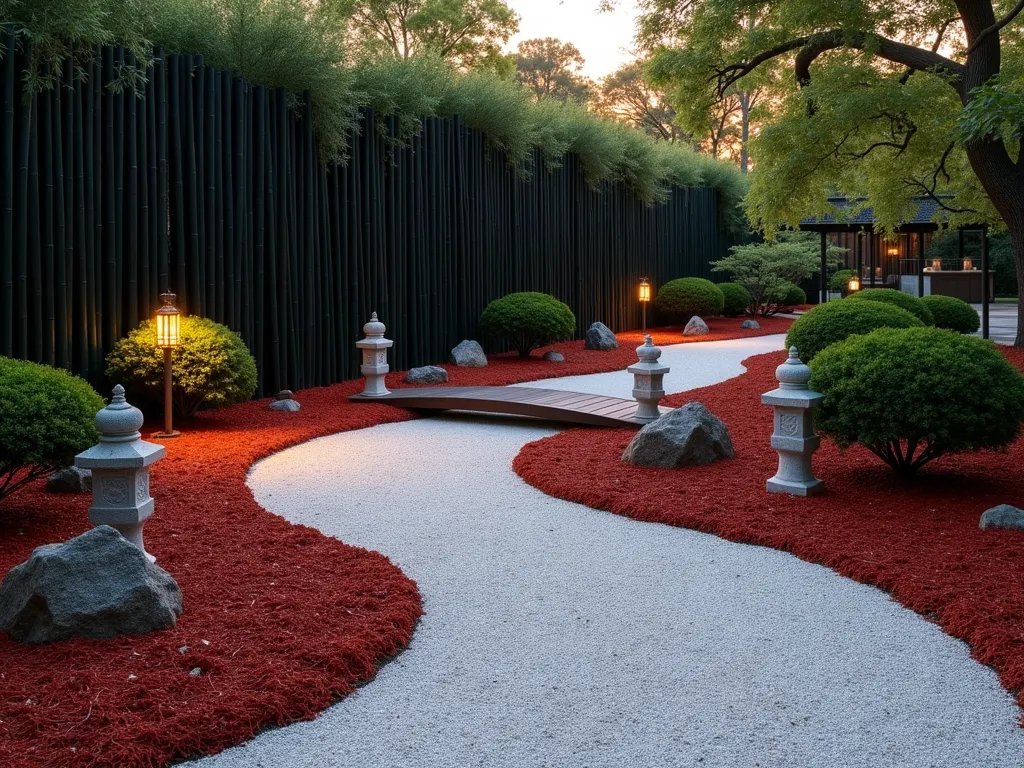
<point x="923" y="222"/>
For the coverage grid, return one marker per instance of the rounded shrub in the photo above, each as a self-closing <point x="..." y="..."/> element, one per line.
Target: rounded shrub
<point x="840" y="281"/>
<point x="952" y="314"/>
<point x="46" y="417"/>
<point x="528" y="320"/>
<point x="685" y="297"/>
<point x="737" y="299"/>
<point x="912" y="395"/>
<point x="790" y="295"/>
<point x="911" y="304"/>
<point x="211" y="366"/>
<point x="836" y="320"/>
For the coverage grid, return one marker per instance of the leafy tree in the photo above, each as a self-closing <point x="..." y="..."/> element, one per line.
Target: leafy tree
<point x="627" y="96"/>
<point x="885" y="100"/>
<point x="767" y="269"/>
<point x="468" y="33"/>
<point x="552" y="69"/>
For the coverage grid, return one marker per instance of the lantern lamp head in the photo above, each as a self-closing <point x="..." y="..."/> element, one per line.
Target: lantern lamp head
<point x="894" y="251"/>
<point x="968" y="264"/>
<point x="645" y="290"/>
<point x="168" y="319"/>
<point x="854" y="285"/>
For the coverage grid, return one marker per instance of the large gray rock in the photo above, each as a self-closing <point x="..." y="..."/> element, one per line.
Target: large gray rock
<point x="554" y="357"/>
<point x="681" y="438"/>
<point x="600" y="336"/>
<point x="284" y="394"/>
<point x="70" y="480"/>
<point x="750" y="325"/>
<point x="1002" y="516"/>
<point x="98" y="585"/>
<point x="427" y="374"/>
<point x="696" y="327"/>
<point x="285" y="405"/>
<point x="469" y="354"/>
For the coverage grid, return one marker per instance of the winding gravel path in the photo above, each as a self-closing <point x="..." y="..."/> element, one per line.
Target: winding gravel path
<point x="556" y="635"/>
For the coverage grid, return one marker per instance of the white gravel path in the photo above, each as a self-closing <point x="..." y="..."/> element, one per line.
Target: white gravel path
<point x="556" y="635"/>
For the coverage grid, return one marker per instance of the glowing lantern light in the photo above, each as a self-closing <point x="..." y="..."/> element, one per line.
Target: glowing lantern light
<point x="854" y="285"/>
<point x="645" y="297"/>
<point x="168" y="336"/>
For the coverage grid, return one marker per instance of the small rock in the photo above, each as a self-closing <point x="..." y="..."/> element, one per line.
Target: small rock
<point x="183" y="650"/>
<point x="427" y="374"/>
<point x="284" y="394"/>
<point x="98" y="585"/>
<point x="469" y="354"/>
<point x="554" y="357"/>
<point x="285" y="405"/>
<point x="1002" y="516"/>
<point x="196" y="671"/>
<point x="750" y="325"/>
<point x="696" y="327"/>
<point x="681" y="438"/>
<point x="70" y="480"/>
<point x="600" y="336"/>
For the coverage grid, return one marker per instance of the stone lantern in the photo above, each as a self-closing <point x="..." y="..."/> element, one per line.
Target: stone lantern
<point x="794" y="438"/>
<point x="375" y="357"/>
<point x="647" y="380"/>
<point x="120" y="470"/>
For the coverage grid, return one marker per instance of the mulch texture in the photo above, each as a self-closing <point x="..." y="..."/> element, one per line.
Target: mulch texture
<point x="917" y="540"/>
<point x="280" y="621"/>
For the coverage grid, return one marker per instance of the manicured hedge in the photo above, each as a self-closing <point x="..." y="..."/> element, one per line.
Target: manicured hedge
<point x="911" y="304"/>
<point x="685" y="297"/>
<point x="952" y="314"/>
<point x="790" y="295"/>
<point x="737" y="299"/>
<point x="836" y="320"/>
<point x="528" y="320"/>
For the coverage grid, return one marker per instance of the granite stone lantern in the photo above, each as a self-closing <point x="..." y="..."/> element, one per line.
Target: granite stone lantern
<point x="375" y="357"/>
<point x="648" y="375"/>
<point x="120" y="470"/>
<point x="794" y="438"/>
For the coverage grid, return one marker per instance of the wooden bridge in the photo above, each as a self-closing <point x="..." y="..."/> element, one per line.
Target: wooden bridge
<point x="549" y="404"/>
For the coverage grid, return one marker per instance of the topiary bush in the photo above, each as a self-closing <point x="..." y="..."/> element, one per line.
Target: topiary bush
<point x="952" y="314"/>
<point x="211" y="366"/>
<point x="834" y="321"/>
<point x="737" y="299"/>
<point x="790" y="295"/>
<point x="46" y="417"/>
<point x="911" y="304"/>
<point x="528" y="320"/>
<point x="912" y="395"/>
<point x="840" y="281"/>
<point x="685" y="297"/>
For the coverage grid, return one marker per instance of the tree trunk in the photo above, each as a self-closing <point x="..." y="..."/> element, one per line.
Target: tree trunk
<point x="745" y="128"/>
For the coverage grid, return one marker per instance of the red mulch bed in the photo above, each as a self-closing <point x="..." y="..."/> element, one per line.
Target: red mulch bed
<point x="281" y="619"/>
<point x="917" y="540"/>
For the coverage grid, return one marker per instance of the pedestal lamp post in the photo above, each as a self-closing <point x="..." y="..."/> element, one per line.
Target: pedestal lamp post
<point x="168" y="319"/>
<point x="645" y="297"/>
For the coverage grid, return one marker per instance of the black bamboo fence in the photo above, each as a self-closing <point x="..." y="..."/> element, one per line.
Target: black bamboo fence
<point x="208" y="187"/>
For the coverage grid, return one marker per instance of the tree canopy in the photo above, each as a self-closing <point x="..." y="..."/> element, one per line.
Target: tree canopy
<point x="552" y="69"/>
<point x="627" y="95"/>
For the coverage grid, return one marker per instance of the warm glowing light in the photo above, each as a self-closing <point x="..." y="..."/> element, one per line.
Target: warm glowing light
<point x="893" y="251"/>
<point x="645" y="290"/>
<point x="936" y="263"/>
<point x="167" y="322"/>
<point x="968" y="264"/>
<point x="854" y="285"/>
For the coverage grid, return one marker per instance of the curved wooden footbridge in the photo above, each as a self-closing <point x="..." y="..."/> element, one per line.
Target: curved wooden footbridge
<point x="548" y="404"/>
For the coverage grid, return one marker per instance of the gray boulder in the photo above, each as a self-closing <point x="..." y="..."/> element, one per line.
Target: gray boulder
<point x="1002" y="516"/>
<point x="427" y="374"/>
<point x="98" y="585"/>
<point x="284" y="394"/>
<point x="285" y="405"/>
<point x="696" y="327"/>
<point x="554" y="357"/>
<point x="70" y="480"/>
<point x="750" y="325"/>
<point x="681" y="438"/>
<point x="469" y="354"/>
<point x="600" y="336"/>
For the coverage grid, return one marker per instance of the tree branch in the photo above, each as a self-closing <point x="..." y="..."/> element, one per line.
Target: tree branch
<point x="935" y="47"/>
<point x="997" y="26"/>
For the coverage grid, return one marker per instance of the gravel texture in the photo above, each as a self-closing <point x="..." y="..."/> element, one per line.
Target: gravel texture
<point x="556" y="635"/>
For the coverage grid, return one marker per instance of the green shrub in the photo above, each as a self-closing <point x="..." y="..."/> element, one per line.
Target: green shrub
<point x="790" y="295"/>
<point x="528" y="320"/>
<point x="840" y="281"/>
<point x="835" y="320"/>
<point x="46" y="417"/>
<point x="737" y="299"/>
<point x="912" y="395"/>
<point x="685" y="297"/>
<point x="211" y="366"/>
<point x="905" y="301"/>
<point x="952" y="314"/>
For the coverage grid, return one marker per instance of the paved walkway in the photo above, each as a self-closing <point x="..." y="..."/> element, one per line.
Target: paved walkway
<point x="1002" y="319"/>
<point x="556" y="635"/>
